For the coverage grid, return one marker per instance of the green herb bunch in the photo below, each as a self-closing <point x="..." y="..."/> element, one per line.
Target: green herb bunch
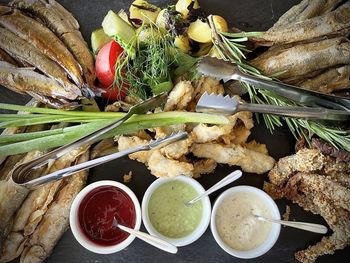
<point x="156" y="63"/>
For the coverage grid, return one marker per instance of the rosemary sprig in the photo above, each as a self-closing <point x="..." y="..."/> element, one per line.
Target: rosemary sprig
<point x="230" y="48"/>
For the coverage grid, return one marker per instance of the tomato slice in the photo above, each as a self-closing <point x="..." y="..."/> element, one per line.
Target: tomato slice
<point x="112" y="93"/>
<point x="105" y="62"/>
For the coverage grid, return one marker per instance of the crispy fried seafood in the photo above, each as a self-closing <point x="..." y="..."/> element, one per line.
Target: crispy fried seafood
<point x="225" y="144"/>
<point x="310" y="19"/>
<point x="42" y="218"/>
<point x="310" y="46"/>
<point x="319" y="184"/>
<point x="43" y="54"/>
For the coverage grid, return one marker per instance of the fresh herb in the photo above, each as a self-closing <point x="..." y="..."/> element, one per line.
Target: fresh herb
<point x="195" y="13"/>
<point x="230" y="48"/>
<point x="92" y="121"/>
<point x="147" y="7"/>
<point x="174" y="23"/>
<point x="150" y="71"/>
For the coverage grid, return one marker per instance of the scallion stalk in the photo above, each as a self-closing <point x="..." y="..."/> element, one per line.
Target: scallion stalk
<point x="21" y="143"/>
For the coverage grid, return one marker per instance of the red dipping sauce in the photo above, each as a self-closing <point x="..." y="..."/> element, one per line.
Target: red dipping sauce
<point x="96" y="212"/>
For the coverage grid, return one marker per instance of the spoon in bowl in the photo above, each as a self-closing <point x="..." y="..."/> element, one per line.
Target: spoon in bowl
<point x="225" y="181"/>
<point x="152" y="240"/>
<point x="316" y="228"/>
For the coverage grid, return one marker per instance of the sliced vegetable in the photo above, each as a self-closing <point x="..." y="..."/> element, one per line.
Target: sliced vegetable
<point x="160" y="21"/>
<point x="98" y="40"/>
<point x="199" y="31"/>
<point x="204" y="49"/>
<point x="186" y="64"/>
<point x="105" y="62"/>
<point x="163" y="87"/>
<point x="220" y="23"/>
<point x="113" y="93"/>
<point x="182" y="6"/>
<point x="144" y="11"/>
<point x="123" y="15"/>
<point x="182" y="42"/>
<point x="114" y="26"/>
<point x="214" y="53"/>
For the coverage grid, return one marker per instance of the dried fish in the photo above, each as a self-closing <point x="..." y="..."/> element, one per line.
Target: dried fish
<point x="5" y="10"/>
<point x="37" y="202"/>
<point x="337" y="21"/>
<point x="104" y="147"/>
<point x="19" y="48"/>
<point x="331" y="80"/>
<point x="23" y="80"/>
<point x="13" y="246"/>
<point x="57" y="21"/>
<point x="58" y="103"/>
<point x="303" y="59"/>
<point x="45" y="41"/>
<point x="11" y="194"/>
<point x="56" y="220"/>
<point x="63" y="12"/>
<point x="305" y="10"/>
<point x="83" y="55"/>
<point x="11" y="198"/>
<point x="7" y="58"/>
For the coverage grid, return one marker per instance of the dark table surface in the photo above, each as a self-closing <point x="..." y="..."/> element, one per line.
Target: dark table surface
<point x="252" y="15"/>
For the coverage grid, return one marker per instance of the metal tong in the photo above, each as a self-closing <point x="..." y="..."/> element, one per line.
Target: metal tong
<point x="226" y="71"/>
<point x="229" y="105"/>
<point x="58" y="175"/>
<point x="20" y="173"/>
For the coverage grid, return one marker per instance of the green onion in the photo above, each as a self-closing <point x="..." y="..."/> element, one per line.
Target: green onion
<point x="42" y="140"/>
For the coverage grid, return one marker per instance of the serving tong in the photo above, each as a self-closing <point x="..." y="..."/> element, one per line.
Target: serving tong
<point x="218" y="104"/>
<point x="21" y="174"/>
<point x="60" y="174"/>
<point x="223" y="70"/>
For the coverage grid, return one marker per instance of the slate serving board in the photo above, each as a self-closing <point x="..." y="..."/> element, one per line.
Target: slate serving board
<point x="252" y="15"/>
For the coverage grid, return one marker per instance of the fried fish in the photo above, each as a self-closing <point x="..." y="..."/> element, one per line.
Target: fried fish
<point x="44" y="40"/>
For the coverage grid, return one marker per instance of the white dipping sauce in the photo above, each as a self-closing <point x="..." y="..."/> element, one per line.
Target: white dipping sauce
<point x="236" y="224"/>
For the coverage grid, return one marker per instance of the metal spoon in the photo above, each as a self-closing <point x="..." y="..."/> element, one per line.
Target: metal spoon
<point x="152" y="240"/>
<point x="316" y="228"/>
<point x="225" y="181"/>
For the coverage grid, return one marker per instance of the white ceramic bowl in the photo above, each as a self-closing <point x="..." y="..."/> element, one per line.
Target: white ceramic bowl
<point x="201" y="228"/>
<point x="275" y="228"/>
<point x="74" y="220"/>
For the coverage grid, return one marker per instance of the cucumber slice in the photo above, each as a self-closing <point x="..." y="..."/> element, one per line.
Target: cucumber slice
<point x="98" y="40"/>
<point x="162" y="87"/>
<point x="114" y="26"/>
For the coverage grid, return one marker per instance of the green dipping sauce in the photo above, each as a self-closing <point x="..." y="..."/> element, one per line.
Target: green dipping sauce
<point x="168" y="213"/>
